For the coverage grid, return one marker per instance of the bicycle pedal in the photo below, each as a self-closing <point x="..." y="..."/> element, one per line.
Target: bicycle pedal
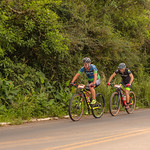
<point x="95" y="105"/>
<point x="78" y="107"/>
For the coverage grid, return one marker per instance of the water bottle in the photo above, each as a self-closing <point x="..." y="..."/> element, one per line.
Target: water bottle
<point x="88" y="98"/>
<point x="124" y="97"/>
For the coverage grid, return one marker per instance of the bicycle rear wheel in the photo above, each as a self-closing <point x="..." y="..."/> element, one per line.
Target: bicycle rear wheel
<point x="76" y="107"/>
<point x="114" y="104"/>
<point x="98" y="108"/>
<point x="132" y="100"/>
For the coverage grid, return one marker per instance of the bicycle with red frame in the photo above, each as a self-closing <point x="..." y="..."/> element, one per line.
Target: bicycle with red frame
<point x="118" y="98"/>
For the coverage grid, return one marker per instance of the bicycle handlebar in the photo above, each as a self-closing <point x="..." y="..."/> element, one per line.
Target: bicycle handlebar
<point x="112" y="84"/>
<point x="75" y="85"/>
<point x="115" y="85"/>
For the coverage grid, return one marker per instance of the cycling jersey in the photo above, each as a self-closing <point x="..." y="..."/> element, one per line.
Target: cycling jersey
<point x="125" y="76"/>
<point x="90" y="72"/>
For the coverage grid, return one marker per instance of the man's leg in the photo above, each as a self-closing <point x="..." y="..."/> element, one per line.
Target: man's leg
<point x="88" y="95"/>
<point x="92" y="89"/>
<point x="89" y="92"/>
<point x="93" y="92"/>
<point x="127" y="95"/>
<point x="127" y="90"/>
<point x="93" y="95"/>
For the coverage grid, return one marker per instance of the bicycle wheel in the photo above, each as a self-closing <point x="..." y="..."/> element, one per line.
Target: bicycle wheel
<point x="98" y="108"/>
<point x="132" y="100"/>
<point x="114" y="104"/>
<point x="76" y="107"/>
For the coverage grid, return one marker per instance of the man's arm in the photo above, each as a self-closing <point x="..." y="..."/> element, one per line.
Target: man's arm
<point x="111" y="77"/>
<point x="131" y="76"/>
<point x="75" y="77"/>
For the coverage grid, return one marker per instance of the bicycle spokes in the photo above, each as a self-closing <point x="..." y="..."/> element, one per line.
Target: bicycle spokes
<point x="114" y="104"/>
<point x="76" y="107"/>
<point x="132" y="100"/>
<point x="98" y="108"/>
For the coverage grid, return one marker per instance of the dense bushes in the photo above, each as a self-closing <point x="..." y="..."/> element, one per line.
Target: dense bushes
<point x="26" y="92"/>
<point x="42" y="44"/>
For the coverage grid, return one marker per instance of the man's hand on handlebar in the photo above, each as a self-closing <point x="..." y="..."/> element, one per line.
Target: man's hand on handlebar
<point x="108" y="83"/>
<point x="127" y="85"/>
<point x="92" y="85"/>
<point x="72" y="84"/>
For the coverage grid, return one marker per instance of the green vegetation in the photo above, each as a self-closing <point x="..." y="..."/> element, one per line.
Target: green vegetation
<point x="42" y="43"/>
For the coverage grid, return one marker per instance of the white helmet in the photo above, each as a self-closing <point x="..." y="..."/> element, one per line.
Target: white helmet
<point x="86" y="60"/>
<point x="122" y="65"/>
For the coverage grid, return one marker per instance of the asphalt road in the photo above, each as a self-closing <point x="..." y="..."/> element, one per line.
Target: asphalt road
<point x="122" y="132"/>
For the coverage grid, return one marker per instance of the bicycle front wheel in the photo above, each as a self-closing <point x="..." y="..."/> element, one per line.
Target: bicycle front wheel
<point x="76" y="107"/>
<point x="98" y="108"/>
<point x="132" y="100"/>
<point x="114" y="104"/>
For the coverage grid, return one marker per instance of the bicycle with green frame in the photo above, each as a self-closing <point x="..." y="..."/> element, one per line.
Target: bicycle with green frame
<point x="79" y="100"/>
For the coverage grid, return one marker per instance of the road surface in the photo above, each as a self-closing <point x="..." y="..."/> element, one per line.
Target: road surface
<point x="122" y="132"/>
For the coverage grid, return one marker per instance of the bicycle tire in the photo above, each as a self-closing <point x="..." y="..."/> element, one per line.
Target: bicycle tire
<point x="76" y="107"/>
<point x="132" y="99"/>
<point x="98" y="108"/>
<point x="116" y="105"/>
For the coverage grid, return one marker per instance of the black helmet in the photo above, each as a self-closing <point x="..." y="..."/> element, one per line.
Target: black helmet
<point x="122" y="65"/>
<point x="86" y="60"/>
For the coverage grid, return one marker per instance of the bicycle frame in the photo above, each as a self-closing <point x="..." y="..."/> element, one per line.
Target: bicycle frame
<point x="82" y="93"/>
<point x="120" y="91"/>
<point x="80" y="101"/>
